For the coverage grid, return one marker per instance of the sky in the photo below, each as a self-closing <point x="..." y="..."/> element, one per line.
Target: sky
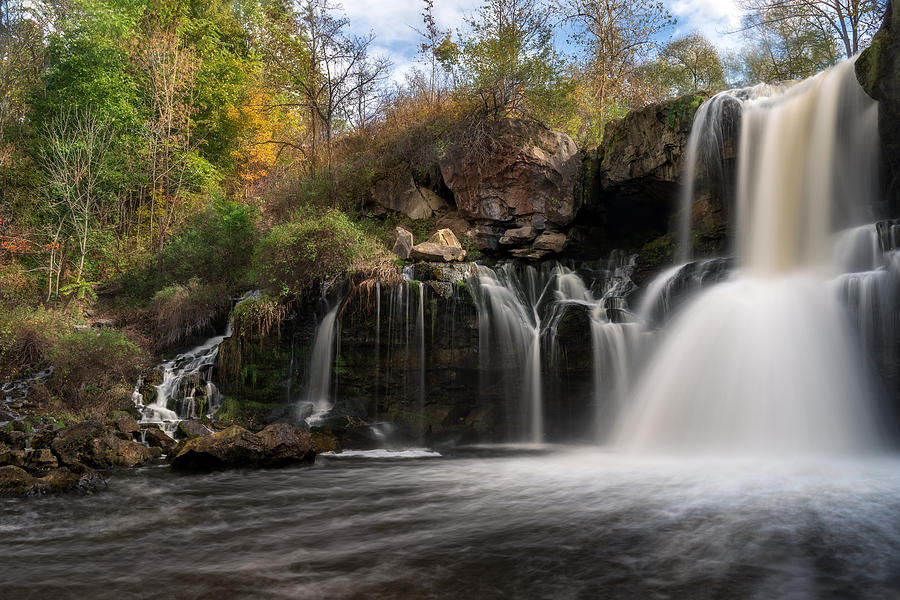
<point x="394" y="23"/>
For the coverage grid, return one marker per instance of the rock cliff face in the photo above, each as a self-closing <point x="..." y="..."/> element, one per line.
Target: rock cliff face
<point x="526" y="176"/>
<point x="632" y="180"/>
<point x="878" y="71"/>
<point x="516" y="175"/>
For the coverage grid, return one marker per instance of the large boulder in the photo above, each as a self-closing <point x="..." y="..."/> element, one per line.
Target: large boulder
<point x="90" y="443"/>
<point x="407" y="198"/>
<point x="404" y="243"/>
<point x="157" y="438"/>
<point x="191" y="429"/>
<point x="276" y="445"/>
<point x="878" y="71"/>
<point x="442" y="246"/>
<point x="519" y="174"/>
<point x="15" y="481"/>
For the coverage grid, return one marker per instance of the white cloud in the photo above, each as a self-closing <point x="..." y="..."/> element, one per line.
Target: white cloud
<point x="712" y="18"/>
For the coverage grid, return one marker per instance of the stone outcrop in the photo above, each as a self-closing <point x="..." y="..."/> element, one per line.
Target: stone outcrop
<point x="442" y="246"/>
<point x="520" y="174"/>
<point x="407" y="198"/>
<point x="878" y="71"/>
<point x="403" y="245"/>
<point x="90" y="443"/>
<point x="276" y="445"/>
<point x="157" y="438"/>
<point x="633" y="180"/>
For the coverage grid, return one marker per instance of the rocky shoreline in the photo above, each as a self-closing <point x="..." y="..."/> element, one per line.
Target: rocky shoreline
<point x="51" y="459"/>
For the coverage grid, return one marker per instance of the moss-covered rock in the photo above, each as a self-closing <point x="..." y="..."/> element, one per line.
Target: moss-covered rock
<point x="878" y="71"/>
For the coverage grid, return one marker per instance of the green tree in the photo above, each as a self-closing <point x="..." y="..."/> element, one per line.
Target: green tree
<point x="691" y="63"/>
<point x="508" y="59"/>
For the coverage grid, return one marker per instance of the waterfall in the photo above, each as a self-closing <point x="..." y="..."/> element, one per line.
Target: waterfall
<point x="187" y="390"/>
<point x="766" y="361"/>
<point x="420" y="339"/>
<point x="710" y="148"/>
<point x="318" y="401"/>
<point x="519" y="313"/>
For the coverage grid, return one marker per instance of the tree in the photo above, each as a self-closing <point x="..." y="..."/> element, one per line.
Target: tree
<point x="616" y="36"/>
<point x="21" y="61"/>
<point x="691" y="63"/>
<point x="508" y="57"/>
<point x="74" y="155"/>
<point x="851" y="22"/>
<point x="786" y="47"/>
<point x="323" y="71"/>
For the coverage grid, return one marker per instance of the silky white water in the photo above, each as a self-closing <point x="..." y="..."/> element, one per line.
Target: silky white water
<point x="768" y="362"/>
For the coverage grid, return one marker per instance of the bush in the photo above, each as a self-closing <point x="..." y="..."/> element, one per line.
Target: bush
<point x="313" y="247"/>
<point x="213" y="246"/>
<point x="95" y="371"/>
<point x="181" y="312"/>
<point x="25" y="337"/>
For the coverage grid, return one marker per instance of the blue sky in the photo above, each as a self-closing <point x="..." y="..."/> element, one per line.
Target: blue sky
<point x="393" y="22"/>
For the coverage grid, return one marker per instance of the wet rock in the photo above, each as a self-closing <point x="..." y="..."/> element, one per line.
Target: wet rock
<point x="65" y="480"/>
<point x="192" y="429"/>
<point x="41" y="459"/>
<point x="403" y="245"/>
<point x="125" y="423"/>
<point x="277" y="445"/>
<point x="110" y="451"/>
<point x="530" y="253"/>
<point x="9" y="456"/>
<point x="15" y="481"/>
<point x="878" y="71"/>
<point x="324" y="441"/>
<point x="71" y="442"/>
<point x="13" y="438"/>
<point x="518" y="236"/>
<point x="523" y="171"/>
<point x="42" y="438"/>
<point x="283" y="445"/>
<point x="157" y="438"/>
<point x="91" y="444"/>
<point x="551" y="241"/>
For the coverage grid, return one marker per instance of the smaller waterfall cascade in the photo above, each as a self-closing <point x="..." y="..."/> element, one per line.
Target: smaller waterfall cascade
<point x="187" y="389"/>
<point x="318" y="401"/>
<point x="520" y="312"/>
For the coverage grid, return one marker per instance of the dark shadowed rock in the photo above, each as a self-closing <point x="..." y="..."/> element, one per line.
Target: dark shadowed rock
<point x="125" y="423"/>
<point x="283" y="445"/>
<point x="157" y="438"/>
<point x="15" y="481"/>
<point x="878" y="71"/>
<point x="192" y="429"/>
<point x="277" y="445"/>
<point x="403" y="245"/>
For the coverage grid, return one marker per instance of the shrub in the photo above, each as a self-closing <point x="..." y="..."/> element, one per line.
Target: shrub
<point x="94" y="371"/>
<point x="181" y="312"/>
<point x="313" y="247"/>
<point x="25" y="337"/>
<point x="213" y="246"/>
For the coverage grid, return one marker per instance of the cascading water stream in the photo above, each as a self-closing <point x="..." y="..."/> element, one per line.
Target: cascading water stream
<point x="767" y="362"/>
<point x="183" y="377"/>
<point x="319" y="401"/>
<point x="519" y="313"/>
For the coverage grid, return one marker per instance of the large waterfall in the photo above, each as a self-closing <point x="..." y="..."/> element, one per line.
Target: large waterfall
<point x="768" y="361"/>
